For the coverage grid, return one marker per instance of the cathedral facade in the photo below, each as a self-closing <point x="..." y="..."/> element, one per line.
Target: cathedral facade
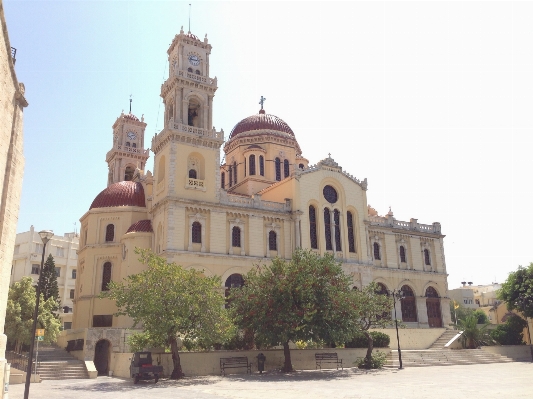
<point x="264" y="201"/>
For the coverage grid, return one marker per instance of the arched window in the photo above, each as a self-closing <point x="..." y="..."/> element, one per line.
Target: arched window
<point x="251" y="160"/>
<point x="110" y="233"/>
<point x="301" y="166"/>
<point x="197" y="72"/>
<point x="377" y="255"/>
<point x="231" y="176"/>
<point x="196" y="232"/>
<point x="189" y="70"/>
<point x="235" y="172"/>
<point x="382" y="289"/>
<point x="336" y="219"/>
<point x="236" y="237"/>
<point x="408" y="305"/>
<point x="192" y="174"/>
<point x="286" y="168"/>
<point x="134" y="145"/>
<point x="245" y="163"/>
<point x="312" y="227"/>
<point x="426" y="257"/>
<point x="222" y="180"/>
<point x="261" y="165"/>
<point x="106" y="276"/>
<point x="272" y="243"/>
<point x="402" y="254"/>
<point x="233" y="281"/>
<point x="128" y="174"/>
<point x="278" y="169"/>
<point x="327" y="229"/>
<point x="431" y="293"/>
<point x="127" y="143"/>
<point x="351" y="236"/>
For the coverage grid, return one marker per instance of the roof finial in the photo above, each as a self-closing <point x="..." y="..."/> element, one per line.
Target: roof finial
<point x="130" y="102"/>
<point x="189" y="17"/>
<point x="262" y="101"/>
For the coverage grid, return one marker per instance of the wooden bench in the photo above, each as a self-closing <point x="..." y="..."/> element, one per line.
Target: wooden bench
<point x="327" y="357"/>
<point x="233" y="363"/>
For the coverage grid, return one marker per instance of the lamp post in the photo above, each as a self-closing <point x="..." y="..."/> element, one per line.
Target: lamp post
<point x="45" y="235"/>
<point x="397" y="295"/>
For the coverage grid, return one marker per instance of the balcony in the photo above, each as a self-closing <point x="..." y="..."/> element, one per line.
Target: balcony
<point x="195" y="184"/>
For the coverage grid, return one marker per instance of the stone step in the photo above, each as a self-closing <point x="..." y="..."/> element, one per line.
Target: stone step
<point x="444" y="357"/>
<point x="57" y="364"/>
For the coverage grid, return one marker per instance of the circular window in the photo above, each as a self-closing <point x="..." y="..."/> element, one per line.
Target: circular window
<point x="330" y="194"/>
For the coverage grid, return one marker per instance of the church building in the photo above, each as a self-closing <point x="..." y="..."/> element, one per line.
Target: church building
<point x="264" y="201"/>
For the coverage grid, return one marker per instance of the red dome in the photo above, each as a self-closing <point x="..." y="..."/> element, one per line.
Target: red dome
<point x="132" y="117"/>
<point x="191" y="36"/>
<point x="141" y="226"/>
<point x="261" y="121"/>
<point x="124" y="193"/>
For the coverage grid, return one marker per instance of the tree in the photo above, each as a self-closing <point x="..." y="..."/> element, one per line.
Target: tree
<point x="48" y="281"/>
<point x="511" y="332"/>
<point x="19" y="314"/>
<point x="473" y="335"/>
<point x="517" y="290"/>
<point x="307" y="298"/>
<point x="170" y="301"/>
<point x="462" y="313"/>
<point x="373" y="311"/>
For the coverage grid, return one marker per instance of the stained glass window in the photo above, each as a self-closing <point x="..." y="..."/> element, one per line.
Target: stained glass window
<point x="196" y="232"/>
<point x="106" y="276"/>
<point x="327" y="229"/>
<point x="252" y="164"/>
<point x="272" y="243"/>
<point x="336" y="219"/>
<point x="278" y="169"/>
<point x="286" y="168"/>
<point x="330" y="194"/>
<point x="351" y="236"/>
<point x="312" y="227"/>
<point x="261" y="165"/>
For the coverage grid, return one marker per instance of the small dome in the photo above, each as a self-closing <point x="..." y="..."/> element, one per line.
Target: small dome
<point x="132" y="117"/>
<point x="141" y="226"/>
<point x="191" y="36"/>
<point x="124" y="193"/>
<point x="261" y="121"/>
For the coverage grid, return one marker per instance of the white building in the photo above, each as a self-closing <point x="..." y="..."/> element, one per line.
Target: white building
<point x="27" y="257"/>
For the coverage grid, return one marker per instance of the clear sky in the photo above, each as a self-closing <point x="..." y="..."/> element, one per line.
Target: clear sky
<point x="431" y="101"/>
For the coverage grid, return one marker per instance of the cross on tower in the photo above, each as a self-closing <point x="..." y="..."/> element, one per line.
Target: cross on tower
<point x="262" y="101"/>
<point x="130" y="103"/>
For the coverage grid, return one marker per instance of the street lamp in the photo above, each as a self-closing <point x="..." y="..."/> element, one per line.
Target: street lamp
<point x="45" y="235"/>
<point x="397" y="295"/>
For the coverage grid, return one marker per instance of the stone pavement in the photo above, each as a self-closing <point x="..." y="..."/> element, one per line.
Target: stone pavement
<point x="487" y="381"/>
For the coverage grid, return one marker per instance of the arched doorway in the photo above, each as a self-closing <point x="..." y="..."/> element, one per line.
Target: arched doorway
<point x="233" y="281"/>
<point x="433" y="308"/>
<point x="101" y="357"/>
<point x="408" y="305"/>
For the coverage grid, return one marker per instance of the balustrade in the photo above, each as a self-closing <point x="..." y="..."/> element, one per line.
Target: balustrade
<point x="195" y="183"/>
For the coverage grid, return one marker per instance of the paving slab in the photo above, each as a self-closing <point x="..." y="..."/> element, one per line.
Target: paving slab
<point x="489" y="381"/>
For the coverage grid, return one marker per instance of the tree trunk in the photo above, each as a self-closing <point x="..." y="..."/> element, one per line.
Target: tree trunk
<point x="177" y="373"/>
<point x="368" y="357"/>
<point x="288" y="364"/>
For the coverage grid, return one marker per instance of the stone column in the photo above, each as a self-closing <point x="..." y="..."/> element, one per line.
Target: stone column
<point x="422" y="311"/>
<point x="297" y="232"/>
<point x="242" y="240"/>
<point x="203" y="235"/>
<point x="445" y="312"/>
<point x="209" y="126"/>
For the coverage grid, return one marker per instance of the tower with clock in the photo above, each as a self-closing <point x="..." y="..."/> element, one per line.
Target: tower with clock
<point x="128" y="152"/>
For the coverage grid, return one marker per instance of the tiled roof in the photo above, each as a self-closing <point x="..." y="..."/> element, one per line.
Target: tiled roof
<point x="190" y="35"/>
<point x="141" y="226"/>
<point x="124" y="193"/>
<point x="254" y="146"/>
<point x="261" y="121"/>
<point x="132" y="117"/>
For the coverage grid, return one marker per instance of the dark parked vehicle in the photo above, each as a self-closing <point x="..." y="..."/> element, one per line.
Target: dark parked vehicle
<point x="141" y="367"/>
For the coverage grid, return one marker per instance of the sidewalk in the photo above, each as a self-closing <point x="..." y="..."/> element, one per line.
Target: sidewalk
<point x="499" y="380"/>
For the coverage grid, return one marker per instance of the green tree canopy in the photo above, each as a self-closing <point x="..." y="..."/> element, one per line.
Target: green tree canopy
<point x="473" y="335"/>
<point x="48" y="281"/>
<point x="170" y="301"/>
<point x="517" y="290"/>
<point x="307" y="298"/>
<point x="373" y="311"/>
<point x="19" y="314"/>
<point x="511" y="332"/>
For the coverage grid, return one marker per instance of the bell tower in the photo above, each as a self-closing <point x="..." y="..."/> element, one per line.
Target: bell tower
<point x="128" y="152"/>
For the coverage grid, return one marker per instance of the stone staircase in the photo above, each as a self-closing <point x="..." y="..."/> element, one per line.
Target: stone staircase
<point x="57" y="364"/>
<point x="443" y="357"/>
<point x="444" y="339"/>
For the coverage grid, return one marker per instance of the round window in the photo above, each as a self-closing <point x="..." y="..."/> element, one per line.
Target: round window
<point x="330" y="194"/>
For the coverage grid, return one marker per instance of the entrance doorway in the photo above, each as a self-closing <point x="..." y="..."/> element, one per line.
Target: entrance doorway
<point x="101" y="357"/>
<point x="433" y="308"/>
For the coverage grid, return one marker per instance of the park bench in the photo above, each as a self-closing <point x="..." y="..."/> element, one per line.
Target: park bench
<point x="327" y="357"/>
<point x="233" y="363"/>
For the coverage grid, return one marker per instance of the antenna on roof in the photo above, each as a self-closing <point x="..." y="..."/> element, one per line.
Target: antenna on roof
<point x="189" y="17"/>
<point x="130" y="103"/>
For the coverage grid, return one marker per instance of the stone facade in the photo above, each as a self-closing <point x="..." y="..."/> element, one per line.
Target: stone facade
<point x="263" y="200"/>
<point x="27" y="261"/>
<point x="12" y="166"/>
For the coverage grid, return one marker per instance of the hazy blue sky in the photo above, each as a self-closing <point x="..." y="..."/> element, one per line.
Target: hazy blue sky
<point x="431" y="101"/>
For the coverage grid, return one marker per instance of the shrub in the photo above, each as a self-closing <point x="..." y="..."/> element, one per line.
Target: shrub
<point x="381" y="340"/>
<point x="510" y="333"/>
<point x="377" y="361"/>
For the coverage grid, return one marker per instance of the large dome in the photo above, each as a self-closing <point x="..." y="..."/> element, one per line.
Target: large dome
<point x="124" y="193"/>
<point x="261" y="121"/>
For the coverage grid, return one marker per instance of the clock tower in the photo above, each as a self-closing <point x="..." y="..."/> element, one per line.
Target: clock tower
<point x="128" y="152"/>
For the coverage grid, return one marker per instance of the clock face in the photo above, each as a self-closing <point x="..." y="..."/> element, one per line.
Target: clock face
<point x="132" y="136"/>
<point x="194" y="60"/>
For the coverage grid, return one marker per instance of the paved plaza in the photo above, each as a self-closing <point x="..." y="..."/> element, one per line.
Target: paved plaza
<point x="498" y="380"/>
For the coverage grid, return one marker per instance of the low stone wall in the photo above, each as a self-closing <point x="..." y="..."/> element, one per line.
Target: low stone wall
<point x="519" y="353"/>
<point x="208" y="363"/>
<point x="413" y="338"/>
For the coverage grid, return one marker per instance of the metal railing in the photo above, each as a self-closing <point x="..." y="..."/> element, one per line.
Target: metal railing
<point x="19" y="361"/>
